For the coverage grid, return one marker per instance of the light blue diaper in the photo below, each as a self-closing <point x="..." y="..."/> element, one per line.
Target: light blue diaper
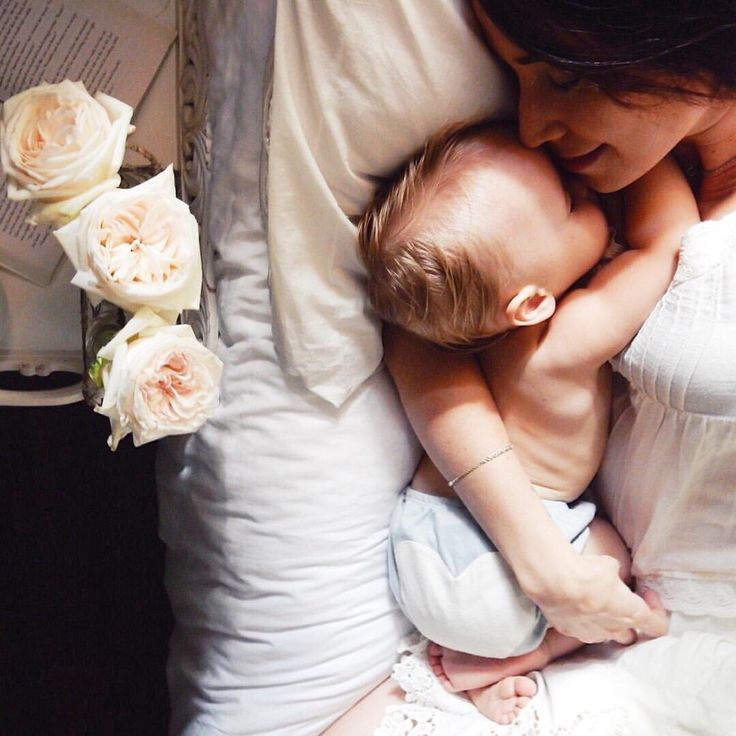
<point x="452" y="583"/>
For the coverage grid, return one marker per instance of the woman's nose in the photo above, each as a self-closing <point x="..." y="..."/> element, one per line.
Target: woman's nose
<point x="538" y="121"/>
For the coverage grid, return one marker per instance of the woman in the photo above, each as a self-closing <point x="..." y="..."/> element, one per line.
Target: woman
<point x="610" y="89"/>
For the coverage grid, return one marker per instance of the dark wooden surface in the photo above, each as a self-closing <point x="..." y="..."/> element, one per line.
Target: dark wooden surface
<point x="84" y="620"/>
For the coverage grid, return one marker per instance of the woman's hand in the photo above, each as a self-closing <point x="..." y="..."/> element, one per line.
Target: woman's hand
<point x="589" y="601"/>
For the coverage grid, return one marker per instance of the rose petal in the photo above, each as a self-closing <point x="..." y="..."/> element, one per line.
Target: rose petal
<point x="144" y="319"/>
<point x="63" y="211"/>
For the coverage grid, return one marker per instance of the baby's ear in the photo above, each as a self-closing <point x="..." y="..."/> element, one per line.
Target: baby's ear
<point x="531" y="305"/>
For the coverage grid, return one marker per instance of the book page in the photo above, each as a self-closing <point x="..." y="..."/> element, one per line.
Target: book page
<point x="109" y="46"/>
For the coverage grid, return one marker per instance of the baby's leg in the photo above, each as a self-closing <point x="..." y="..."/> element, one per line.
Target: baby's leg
<point x="495" y="686"/>
<point x="466" y="672"/>
<point x="459" y="671"/>
<point x="605" y="540"/>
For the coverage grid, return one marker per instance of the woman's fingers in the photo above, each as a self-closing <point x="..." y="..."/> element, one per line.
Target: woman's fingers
<point x="601" y="607"/>
<point x="626" y="637"/>
<point x="654" y="620"/>
<point x="650" y="620"/>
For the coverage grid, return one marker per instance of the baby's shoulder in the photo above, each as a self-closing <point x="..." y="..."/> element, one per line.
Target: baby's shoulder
<point x="563" y="351"/>
<point x="523" y="368"/>
<point x="522" y="350"/>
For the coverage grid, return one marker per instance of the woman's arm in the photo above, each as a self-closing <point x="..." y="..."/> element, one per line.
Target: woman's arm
<point x="450" y="406"/>
<point x="609" y="310"/>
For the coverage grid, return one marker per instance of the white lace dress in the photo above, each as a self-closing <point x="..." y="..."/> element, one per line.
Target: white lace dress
<point x="668" y="482"/>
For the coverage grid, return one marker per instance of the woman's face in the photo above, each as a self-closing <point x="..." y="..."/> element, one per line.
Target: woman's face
<point x="608" y="144"/>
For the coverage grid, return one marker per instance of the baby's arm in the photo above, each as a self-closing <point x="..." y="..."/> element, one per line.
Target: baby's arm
<point x="452" y="411"/>
<point x="606" y="314"/>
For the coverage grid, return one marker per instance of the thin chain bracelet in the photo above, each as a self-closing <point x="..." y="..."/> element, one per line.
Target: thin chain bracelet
<point x="486" y="459"/>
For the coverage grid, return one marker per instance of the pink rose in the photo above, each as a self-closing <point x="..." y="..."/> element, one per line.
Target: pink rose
<point x="160" y="380"/>
<point x="61" y="148"/>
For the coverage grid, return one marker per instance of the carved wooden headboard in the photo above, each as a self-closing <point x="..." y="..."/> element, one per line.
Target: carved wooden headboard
<point x="194" y="147"/>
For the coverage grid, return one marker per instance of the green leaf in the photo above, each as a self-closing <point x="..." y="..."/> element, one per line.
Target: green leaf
<point x="95" y="371"/>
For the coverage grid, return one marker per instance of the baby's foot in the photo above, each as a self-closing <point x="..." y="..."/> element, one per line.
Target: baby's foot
<point x="458" y="671"/>
<point x="503" y="701"/>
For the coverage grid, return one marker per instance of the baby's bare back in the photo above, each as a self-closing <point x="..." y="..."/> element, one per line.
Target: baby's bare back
<point x="556" y="415"/>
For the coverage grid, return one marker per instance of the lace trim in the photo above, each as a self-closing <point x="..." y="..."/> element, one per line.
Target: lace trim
<point x="703" y="247"/>
<point x="430" y="710"/>
<point x="693" y="596"/>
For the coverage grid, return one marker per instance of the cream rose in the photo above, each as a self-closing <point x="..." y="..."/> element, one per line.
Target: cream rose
<point x="160" y="380"/>
<point x="61" y="148"/>
<point x="137" y="247"/>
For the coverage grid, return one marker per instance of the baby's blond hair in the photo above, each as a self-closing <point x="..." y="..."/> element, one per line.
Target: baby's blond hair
<point x="418" y="248"/>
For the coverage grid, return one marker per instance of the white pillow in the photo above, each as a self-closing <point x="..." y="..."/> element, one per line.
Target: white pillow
<point x="357" y="88"/>
<point x="275" y="514"/>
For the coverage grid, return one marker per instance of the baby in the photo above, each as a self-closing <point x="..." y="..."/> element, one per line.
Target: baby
<point x="483" y="244"/>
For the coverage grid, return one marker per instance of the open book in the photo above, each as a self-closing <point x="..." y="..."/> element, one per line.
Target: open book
<point x="107" y="45"/>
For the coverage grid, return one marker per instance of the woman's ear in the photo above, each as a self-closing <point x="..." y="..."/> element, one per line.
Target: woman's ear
<point x="531" y="305"/>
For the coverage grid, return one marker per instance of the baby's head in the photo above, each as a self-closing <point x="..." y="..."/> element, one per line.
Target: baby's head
<point x="477" y="235"/>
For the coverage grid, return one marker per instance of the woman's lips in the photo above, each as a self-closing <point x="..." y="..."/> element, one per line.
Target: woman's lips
<point x="578" y="164"/>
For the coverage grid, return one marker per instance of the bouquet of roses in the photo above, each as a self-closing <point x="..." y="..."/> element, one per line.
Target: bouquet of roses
<point x="136" y="248"/>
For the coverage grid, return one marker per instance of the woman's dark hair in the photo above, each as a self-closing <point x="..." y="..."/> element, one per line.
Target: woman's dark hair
<point x="628" y="46"/>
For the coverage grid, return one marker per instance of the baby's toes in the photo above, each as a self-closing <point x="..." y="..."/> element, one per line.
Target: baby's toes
<point x="503" y="711"/>
<point x="513" y="687"/>
<point x="526" y="688"/>
<point x="434" y="650"/>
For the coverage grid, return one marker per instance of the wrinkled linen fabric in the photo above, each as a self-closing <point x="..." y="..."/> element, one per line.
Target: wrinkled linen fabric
<point x="357" y="88"/>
